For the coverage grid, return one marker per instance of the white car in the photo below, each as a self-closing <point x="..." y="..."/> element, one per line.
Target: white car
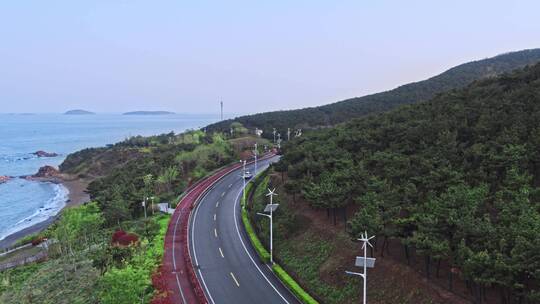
<point x="247" y="175"/>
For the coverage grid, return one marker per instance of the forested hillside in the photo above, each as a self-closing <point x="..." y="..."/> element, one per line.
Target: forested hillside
<point x="455" y="178"/>
<point x="338" y="112"/>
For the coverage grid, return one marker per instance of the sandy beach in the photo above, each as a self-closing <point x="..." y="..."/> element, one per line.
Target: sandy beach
<point x="76" y="196"/>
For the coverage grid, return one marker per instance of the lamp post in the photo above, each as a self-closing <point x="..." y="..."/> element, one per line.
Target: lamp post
<point x="288" y="134"/>
<point x="255" y="152"/>
<point x="364" y="262"/>
<point x="270" y="208"/>
<point x="144" y="205"/>
<point x="243" y="162"/>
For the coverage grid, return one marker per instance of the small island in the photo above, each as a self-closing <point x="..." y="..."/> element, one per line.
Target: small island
<point x="149" y="113"/>
<point x="79" y="112"/>
<point x="42" y="153"/>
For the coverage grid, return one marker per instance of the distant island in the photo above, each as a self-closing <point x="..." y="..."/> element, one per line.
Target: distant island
<point x="78" y="112"/>
<point x="149" y="113"/>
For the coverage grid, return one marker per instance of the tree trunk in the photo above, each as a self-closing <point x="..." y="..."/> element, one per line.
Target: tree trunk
<point x="428" y="262"/>
<point x="382" y="247"/>
<point x="334" y="215"/>
<point x="406" y="248"/>
<point x="438" y="268"/>
<point x="450" y="280"/>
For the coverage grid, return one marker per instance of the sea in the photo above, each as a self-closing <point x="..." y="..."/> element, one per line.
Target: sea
<point x="24" y="203"/>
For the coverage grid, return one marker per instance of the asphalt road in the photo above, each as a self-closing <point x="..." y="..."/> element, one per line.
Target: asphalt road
<point x="227" y="266"/>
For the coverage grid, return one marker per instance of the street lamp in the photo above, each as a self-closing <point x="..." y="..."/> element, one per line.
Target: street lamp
<point x="255" y="152"/>
<point x="144" y="205"/>
<point x="243" y="162"/>
<point x="288" y="134"/>
<point x="270" y="208"/>
<point x="364" y="262"/>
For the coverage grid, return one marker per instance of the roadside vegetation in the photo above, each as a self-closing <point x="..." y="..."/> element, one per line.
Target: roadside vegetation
<point x="255" y="190"/>
<point x="454" y="181"/>
<point x="107" y="251"/>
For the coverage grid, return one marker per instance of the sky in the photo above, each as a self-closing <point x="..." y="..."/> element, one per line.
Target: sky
<point x="256" y="56"/>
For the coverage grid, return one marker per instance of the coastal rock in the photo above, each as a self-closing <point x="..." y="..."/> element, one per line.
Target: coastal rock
<point x="47" y="172"/>
<point x="4" y="179"/>
<point x="41" y="153"/>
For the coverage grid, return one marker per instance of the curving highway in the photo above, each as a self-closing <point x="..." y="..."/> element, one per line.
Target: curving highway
<point x="226" y="265"/>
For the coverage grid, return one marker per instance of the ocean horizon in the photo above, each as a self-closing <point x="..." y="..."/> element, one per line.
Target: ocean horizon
<point x="24" y="203"/>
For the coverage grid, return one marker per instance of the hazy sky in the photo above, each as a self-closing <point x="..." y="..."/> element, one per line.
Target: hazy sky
<point x="184" y="56"/>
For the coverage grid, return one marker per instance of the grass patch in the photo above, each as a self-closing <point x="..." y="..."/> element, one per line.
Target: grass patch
<point x="292" y="285"/>
<point x="261" y="251"/>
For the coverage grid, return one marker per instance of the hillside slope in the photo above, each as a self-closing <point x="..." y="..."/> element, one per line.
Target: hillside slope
<point x="455" y="179"/>
<point x="338" y="112"/>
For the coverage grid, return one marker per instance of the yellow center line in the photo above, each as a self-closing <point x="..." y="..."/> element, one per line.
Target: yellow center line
<point x="235" y="280"/>
<point x="221" y="252"/>
<point x="215" y="232"/>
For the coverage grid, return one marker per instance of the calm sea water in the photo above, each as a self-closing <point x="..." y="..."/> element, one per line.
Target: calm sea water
<point x="24" y="203"/>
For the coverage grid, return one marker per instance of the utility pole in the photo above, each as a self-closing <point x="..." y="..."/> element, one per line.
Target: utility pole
<point x="221" y="103"/>
<point x="364" y="262"/>
<point x="270" y="208"/>
<point x="152" y="198"/>
<point x="274" y="132"/>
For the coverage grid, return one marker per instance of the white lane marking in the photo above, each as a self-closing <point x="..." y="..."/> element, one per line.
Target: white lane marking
<point x="217" y="204"/>
<point x="221" y="252"/>
<point x="215" y="232"/>
<point x="179" y="287"/>
<point x="237" y="202"/>
<point x="235" y="280"/>
<point x="174" y="259"/>
<point x="192" y="225"/>
<point x="230" y="185"/>
<point x="195" y="252"/>
<point x="223" y="194"/>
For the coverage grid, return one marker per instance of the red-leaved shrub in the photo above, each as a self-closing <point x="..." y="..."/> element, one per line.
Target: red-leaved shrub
<point x="122" y="238"/>
<point x="38" y="240"/>
<point x="159" y="281"/>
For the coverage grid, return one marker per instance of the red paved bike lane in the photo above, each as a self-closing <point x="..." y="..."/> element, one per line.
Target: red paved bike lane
<point x="181" y="281"/>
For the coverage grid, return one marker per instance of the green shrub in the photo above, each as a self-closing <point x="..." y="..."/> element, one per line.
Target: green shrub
<point x="263" y="253"/>
<point x="292" y="285"/>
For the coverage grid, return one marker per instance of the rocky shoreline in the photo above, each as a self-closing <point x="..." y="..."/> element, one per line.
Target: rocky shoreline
<point x="42" y="153"/>
<point x="4" y="178"/>
<point x="77" y="196"/>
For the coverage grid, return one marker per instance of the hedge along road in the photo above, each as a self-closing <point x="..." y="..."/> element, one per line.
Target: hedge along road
<point x="226" y="265"/>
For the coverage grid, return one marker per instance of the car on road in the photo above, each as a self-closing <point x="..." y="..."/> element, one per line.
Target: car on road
<point x="247" y="175"/>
